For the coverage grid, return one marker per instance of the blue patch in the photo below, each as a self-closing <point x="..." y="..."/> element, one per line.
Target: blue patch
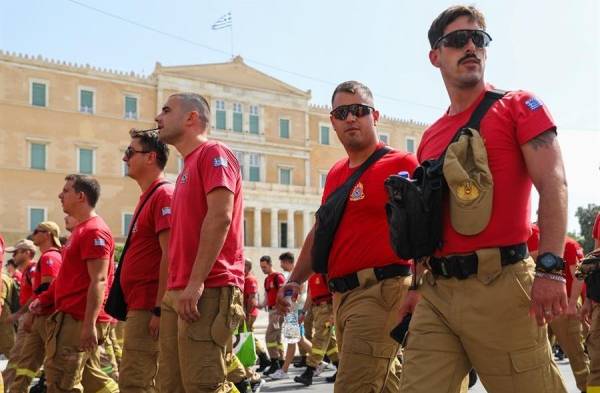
<point x="220" y="161"/>
<point x="99" y="242"/>
<point x="166" y="211"/>
<point x="533" y="103"/>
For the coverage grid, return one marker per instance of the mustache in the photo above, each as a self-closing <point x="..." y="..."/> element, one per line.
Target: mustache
<point x="469" y="56"/>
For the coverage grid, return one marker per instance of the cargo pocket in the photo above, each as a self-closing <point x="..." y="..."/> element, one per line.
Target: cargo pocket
<point x="71" y="362"/>
<point x="531" y="369"/>
<point x="229" y="315"/>
<point x="523" y="283"/>
<point x="391" y="292"/>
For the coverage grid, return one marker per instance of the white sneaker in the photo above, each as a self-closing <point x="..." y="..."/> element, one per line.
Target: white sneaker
<point x="320" y="368"/>
<point x="330" y="366"/>
<point x="279" y="374"/>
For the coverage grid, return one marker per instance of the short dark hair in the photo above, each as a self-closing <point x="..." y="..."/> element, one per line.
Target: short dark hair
<point x="195" y="102"/>
<point x="352" y="87"/>
<point x="287" y="256"/>
<point x="449" y="15"/>
<point x="11" y="262"/>
<point x="266" y="258"/>
<point x="86" y="184"/>
<point x="150" y="142"/>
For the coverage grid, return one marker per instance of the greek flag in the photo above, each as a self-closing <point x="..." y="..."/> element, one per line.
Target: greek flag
<point x="223" y="22"/>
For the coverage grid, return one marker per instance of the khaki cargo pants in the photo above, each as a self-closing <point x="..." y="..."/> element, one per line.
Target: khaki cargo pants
<point x="139" y="364"/>
<point x="483" y="322"/>
<point x="14" y="355"/>
<point x="323" y="339"/>
<point x="363" y="319"/>
<point x="593" y="347"/>
<point x="308" y="323"/>
<point x="67" y="368"/>
<point x="32" y="355"/>
<point x="273" y="335"/>
<point x="569" y="334"/>
<point x="7" y="337"/>
<point x="192" y="355"/>
<point x="260" y="348"/>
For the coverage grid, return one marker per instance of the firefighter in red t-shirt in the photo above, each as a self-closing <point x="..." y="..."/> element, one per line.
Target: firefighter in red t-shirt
<point x="273" y="281"/>
<point x="251" y="311"/>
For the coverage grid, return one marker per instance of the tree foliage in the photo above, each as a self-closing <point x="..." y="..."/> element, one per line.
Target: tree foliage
<point x="587" y="216"/>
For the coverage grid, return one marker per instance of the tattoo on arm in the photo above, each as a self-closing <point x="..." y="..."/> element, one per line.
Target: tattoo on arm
<point x="543" y="140"/>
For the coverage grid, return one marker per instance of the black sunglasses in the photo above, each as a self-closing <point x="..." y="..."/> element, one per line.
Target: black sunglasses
<point x="36" y="231"/>
<point x="459" y="38"/>
<point x="357" y="110"/>
<point x="130" y="151"/>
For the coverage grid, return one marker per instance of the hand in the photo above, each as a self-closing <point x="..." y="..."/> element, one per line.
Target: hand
<point x="28" y="322"/>
<point x="586" y="311"/>
<point x="301" y="318"/>
<point x="572" y="311"/>
<point x="188" y="302"/>
<point x="35" y="307"/>
<point x="88" y="340"/>
<point x="548" y="299"/>
<point x="409" y="304"/>
<point x="283" y="305"/>
<point x="153" y="327"/>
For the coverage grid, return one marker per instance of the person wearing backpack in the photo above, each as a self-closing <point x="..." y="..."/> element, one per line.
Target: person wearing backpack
<point x="273" y="281"/>
<point x="367" y="280"/>
<point x="484" y="303"/>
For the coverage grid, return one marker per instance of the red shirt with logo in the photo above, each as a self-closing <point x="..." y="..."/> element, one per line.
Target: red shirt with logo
<point x="273" y="282"/>
<point x="572" y="255"/>
<point x="250" y="288"/>
<point x="362" y="239"/>
<point x="90" y="239"/>
<point x="596" y="229"/>
<point x="26" y="283"/>
<point x="48" y="266"/>
<point x="210" y="166"/>
<point x="141" y="266"/>
<point x="510" y="123"/>
<point x="318" y="289"/>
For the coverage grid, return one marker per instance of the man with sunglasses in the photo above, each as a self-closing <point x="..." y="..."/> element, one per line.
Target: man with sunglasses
<point x="144" y="271"/>
<point x="367" y="279"/>
<point x="493" y="318"/>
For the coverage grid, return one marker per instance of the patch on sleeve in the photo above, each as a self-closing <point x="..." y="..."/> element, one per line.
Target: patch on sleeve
<point x="533" y="104"/>
<point x="165" y="211"/>
<point x="220" y="161"/>
<point x="99" y="242"/>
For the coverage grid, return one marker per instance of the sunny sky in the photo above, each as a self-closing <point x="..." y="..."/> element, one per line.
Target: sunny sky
<point x="550" y="47"/>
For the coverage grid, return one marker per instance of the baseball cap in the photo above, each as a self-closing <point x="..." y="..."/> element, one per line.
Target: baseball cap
<point x="53" y="229"/>
<point x="470" y="182"/>
<point x="23" y="244"/>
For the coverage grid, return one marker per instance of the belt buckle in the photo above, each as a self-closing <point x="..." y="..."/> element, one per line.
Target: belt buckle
<point x="460" y="271"/>
<point x="444" y="267"/>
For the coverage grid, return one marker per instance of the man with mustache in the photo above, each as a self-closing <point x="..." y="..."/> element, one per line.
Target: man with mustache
<point x="482" y="295"/>
<point x="367" y="279"/>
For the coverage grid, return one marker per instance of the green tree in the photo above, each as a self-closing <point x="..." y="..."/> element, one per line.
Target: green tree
<point x="587" y="216"/>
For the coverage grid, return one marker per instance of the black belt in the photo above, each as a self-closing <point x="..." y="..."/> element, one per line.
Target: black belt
<point x="349" y="282"/>
<point x="462" y="266"/>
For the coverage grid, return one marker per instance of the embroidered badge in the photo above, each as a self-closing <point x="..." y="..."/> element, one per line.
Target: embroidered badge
<point x="533" y="103"/>
<point x="467" y="191"/>
<point x="317" y="281"/>
<point x="220" y="161"/>
<point x="99" y="242"/>
<point x="165" y="211"/>
<point x="183" y="178"/>
<point x="357" y="193"/>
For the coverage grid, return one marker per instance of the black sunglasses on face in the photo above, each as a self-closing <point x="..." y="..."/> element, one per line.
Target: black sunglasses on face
<point x="357" y="110"/>
<point x="459" y="38"/>
<point x="36" y="231"/>
<point x="130" y="151"/>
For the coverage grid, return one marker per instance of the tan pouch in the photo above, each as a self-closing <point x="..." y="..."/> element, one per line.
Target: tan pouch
<point x="231" y="313"/>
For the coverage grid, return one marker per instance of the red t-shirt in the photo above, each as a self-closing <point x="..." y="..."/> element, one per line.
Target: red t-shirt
<point x="511" y="122"/>
<point x="596" y="230"/>
<point x="273" y="282"/>
<point x="211" y="165"/>
<point x="90" y="239"/>
<point x="362" y="239"/>
<point x="47" y="266"/>
<point x="139" y="274"/>
<point x="317" y="287"/>
<point x="533" y="243"/>
<point x="26" y="283"/>
<point x="250" y="288"/>
<point x="572" y="255"/>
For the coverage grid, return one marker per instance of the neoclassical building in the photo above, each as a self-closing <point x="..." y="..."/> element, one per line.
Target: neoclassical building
<point x="58" y="118"/>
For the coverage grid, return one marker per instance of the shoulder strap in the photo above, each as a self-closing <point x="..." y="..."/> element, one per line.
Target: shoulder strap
<point x="133" y="221"/>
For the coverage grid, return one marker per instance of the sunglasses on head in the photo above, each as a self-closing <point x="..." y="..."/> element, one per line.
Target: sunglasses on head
<point x="459" y="38"/>
<point x="36" y="231"/>
<point x="130" y="151"/>
<point x="357" y="110"/>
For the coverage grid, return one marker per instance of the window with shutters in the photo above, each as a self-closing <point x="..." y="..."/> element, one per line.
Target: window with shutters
<point x="238" y="117"/>
<point x="37" y="156"/>
<point x="221" y="115"/>
<point x="284" y="128"/>
<point x="86" y="101"/>
<point x="254" y="119"/>
<point x="39" y="93"/>
<point x="85" y="160"/>
<point x="131" y="107"/>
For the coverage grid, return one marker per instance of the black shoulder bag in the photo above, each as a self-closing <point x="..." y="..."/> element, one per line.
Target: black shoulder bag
<point x="329" y="215"/>
<point x="116" y="306"/>
<point x="415" y="206"/>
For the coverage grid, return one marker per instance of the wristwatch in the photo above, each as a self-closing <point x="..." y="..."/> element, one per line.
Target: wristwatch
<point x="156" y="311"/>
<point x="549" y="263"/>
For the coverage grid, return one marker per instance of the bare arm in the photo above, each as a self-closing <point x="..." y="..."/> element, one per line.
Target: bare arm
<point x="163" y="239"/>
<point x="303" y="267"/>
<point x="98" y="272"/>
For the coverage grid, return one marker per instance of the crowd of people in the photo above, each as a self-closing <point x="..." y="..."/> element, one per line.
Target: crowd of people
<point x="486" y="299"/>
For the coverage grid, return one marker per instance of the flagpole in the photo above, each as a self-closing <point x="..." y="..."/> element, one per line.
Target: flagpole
<point x="231" y="38"/>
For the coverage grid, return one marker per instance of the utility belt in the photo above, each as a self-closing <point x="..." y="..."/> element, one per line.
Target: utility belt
<point x="321" y="300"/>
<point x="362" y="277"/>
<point x="463" y="266"/>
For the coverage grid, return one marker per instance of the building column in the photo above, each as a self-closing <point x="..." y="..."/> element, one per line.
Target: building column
<point x="290" y="228"/>
<point x="274" y="229"/>
<point x="257" y="227"/>
<point x="305" y="224"/>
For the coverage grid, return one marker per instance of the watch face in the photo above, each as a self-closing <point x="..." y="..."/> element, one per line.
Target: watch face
<point x="548" y="262"/>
